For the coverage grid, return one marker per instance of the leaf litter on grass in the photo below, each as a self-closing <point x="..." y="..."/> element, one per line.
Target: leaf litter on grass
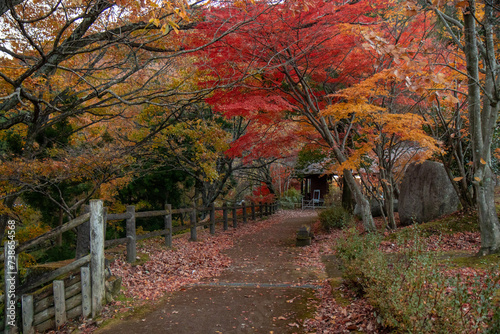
<point x="332" y="316"/>
<point x="335" y="316"/>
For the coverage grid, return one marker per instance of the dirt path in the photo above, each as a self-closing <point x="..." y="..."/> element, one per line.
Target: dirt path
<point x="264" y="291"/>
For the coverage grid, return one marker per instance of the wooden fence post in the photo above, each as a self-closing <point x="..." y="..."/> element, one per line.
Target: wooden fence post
<point x="83" y="237"/>
<point x="27" y="311"/>
<point x="104" y="221"/>
<point x="224" y="216"/>
<point x="131" y="236"/>
<point x="11" y="280"/>
<point x="212" y="218"/>
<point x="244" y="206"/>
<point x="168" y="225"/>
<point x="86" y="292"/>
<point x="97" y="255"/>
<point x="235" y="216"/>
<point x="194" y="236"/>
<point x="59" y="303"/>
<point x="253" y="211"/>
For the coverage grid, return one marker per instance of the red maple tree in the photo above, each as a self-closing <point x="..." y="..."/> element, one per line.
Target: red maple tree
<point x="287" y="62"/>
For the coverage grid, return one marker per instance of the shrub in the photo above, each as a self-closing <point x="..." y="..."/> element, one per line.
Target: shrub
<point x="289" y="198"/>
<point x="352" y="251"/>
<point x="335" y="217"/>
<point x="410" y="291"/>
<point x="25" y="261"/>
<point x="334" y="195"/>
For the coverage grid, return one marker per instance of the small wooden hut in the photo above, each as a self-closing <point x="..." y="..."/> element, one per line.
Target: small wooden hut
<point x="314" y="185"/>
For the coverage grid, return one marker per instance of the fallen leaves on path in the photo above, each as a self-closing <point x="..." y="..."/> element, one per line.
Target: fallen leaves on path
<point x="310" y="256"/>
<point x="186" y="263"/>
<point x="171" y="269"/>
<point x="332" y="317"/>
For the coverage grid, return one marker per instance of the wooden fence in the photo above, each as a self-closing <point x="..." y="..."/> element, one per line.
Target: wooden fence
<point x="79" y="287"/>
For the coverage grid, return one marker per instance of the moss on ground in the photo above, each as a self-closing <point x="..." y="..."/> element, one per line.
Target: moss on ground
<point x="135" y="309"/>
<point x="141" y="259"/>
<point x="461" y="221"/>
<point x="303" y="308"/>
<point x="335" y="284"/>
<point x="463" y="259"/>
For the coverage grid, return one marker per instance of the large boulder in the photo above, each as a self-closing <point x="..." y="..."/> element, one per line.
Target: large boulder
<point x="375" y="208"/>
<point x="426" y="193"/>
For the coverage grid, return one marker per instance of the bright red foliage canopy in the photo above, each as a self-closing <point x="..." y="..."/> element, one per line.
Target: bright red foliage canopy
<point x="284" y="58"/>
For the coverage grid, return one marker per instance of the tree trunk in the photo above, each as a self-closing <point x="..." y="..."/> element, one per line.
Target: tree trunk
<point x="359" y="197"/>
<point x="488" y="219"/>
<point x="361" y="201"/>
<point x="482" y="122"/>
<point x="386" y="182"/>
<point x="389" y="204"/>
<point x="347" y="200"/>
<point x="463" y="193"/>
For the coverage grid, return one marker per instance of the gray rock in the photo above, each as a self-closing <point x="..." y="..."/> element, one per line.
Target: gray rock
<point x="375" y="208"/>
<point x="426" y="193"/>
<point x="113" y="285"/>
<point x="304" y="236"/>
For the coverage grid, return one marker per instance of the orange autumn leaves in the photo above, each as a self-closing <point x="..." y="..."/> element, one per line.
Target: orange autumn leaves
<point x="360" y="103"/>
<point x="350" y="72"/>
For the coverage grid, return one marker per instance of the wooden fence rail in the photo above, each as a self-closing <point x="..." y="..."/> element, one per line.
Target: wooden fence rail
<point x="84" y="293"/>
<point x="168" y="231"/>
<point x="55" y="232"/>
<point x="39" y="314"/>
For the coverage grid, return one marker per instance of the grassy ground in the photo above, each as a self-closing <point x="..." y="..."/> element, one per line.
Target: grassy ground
<point x="456" y="225"/>
<point x="426" y="278"/>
